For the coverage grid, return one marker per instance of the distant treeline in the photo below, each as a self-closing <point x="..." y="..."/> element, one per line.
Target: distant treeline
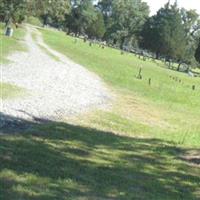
<point x="173" y="32"/>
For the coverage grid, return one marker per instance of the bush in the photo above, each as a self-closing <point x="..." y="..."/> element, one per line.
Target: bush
<point x="34" y="21"/>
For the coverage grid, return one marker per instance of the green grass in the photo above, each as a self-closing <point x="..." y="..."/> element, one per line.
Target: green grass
<point x="9" y="45"/>
<point x="120" y="71"/>
<point x="9" y="91"/>
<point x="59" y="161"/>
<point x="143" y="147"/>
<point x="34" y="21"/>
<point x="177" y="104"/>
<point x="34" y="36"/>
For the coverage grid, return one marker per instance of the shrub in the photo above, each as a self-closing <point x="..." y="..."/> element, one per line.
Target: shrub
<point x="34" y="21"/>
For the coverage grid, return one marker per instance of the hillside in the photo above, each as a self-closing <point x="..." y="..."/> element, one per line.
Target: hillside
<point x="171" y="105"/>
<point x="144" y="144"/>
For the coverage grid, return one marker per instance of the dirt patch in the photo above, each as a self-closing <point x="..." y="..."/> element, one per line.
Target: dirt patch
<point x="132" y="107"/>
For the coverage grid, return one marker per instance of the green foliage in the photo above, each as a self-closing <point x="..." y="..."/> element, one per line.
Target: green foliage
<point x="83" y="15"/>
<point x="191" y="24"/>
<point x="164" y="33"/>
<point x="34" y="21"/>
<point x="97" y="28"/>
<point x="126" y="24"/>
<point x="13" y="10"/>
<point x="51" y="11"/>
<point x="124" y="20"/>
<point x="197" y="53"/>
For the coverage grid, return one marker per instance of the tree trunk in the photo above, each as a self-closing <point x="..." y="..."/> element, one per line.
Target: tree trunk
<point x="122" y="42"/>
<point x="179" y="65"/>
<point x="157" y="55"/>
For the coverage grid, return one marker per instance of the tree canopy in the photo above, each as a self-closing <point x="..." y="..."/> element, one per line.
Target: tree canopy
<point x="13" y="10"/>
<point x="197" y="53"/>
<point x="173" y="32"/>
<point x="164" y="33"/>
<point x="124" y="20"/>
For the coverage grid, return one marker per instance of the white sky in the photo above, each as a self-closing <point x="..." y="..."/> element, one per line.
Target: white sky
<point x="155" y="5"/>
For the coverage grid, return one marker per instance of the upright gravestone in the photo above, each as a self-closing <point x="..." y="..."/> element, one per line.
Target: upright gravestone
<point x="9" y="32"/>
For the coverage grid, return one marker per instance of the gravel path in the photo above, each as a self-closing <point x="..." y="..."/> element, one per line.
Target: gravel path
<point x="56" y="88"/>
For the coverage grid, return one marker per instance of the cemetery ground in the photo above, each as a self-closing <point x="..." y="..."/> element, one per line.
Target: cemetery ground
<point x="8" y="45"/>
<point x="144" y="145"/>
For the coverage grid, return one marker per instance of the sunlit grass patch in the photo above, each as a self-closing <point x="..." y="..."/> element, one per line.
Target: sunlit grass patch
<point x="9" y="45"/>
<point x="9" y="91"/>
<point x="166" y="109"/>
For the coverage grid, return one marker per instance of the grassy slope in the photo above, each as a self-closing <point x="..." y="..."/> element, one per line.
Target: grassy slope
<point x="175" y="103"/>
<point x="65" y="162"/>
<point x="59" y="161"/>
<point x="7" y="46"/>
<point x="9" y="91"/>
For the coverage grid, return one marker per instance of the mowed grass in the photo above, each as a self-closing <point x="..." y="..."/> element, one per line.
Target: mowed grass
<point x="141" y="148"/>
<point x="60" y="161"/>
<point x="120" y="71"/>
<point x="9" y="45"/>
<point x="9" y="91"/>
<point x="173" y="107"/>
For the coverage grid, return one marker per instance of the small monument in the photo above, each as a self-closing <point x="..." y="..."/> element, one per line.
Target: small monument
<point x="9" y="32"/>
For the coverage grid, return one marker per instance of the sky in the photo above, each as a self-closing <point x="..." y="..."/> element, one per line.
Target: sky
<point x="155" y="5"/>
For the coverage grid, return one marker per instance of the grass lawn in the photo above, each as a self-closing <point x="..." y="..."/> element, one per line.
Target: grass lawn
<point x="59" y="161"/>
<point x="10" y="44"/>
<point x="146" y="146"/>
<point x="9" y="91"/>
<point x="7" y="46"/>
<point x="166" y="110"/>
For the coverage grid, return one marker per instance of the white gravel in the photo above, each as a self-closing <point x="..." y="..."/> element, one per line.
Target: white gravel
<point x="56" y="89"/>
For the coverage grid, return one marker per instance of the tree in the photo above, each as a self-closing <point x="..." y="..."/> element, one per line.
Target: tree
<point x="197" y="53"/>
<point x="13" y="11"/>
<point x="124" y="20"/>
<point x="52" y="12"/>
<point x="191" y="21"/>
<point x="82" y="15"/>
<point x="97" y="29"/>
<point x="191" y="24"/>
<point x="164" y="33"/>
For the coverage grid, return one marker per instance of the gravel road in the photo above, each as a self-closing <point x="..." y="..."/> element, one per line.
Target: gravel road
<point x="56" y="89"/>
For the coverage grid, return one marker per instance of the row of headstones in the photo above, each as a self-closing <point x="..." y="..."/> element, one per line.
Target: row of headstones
<point x="140" y="56"/>
<point x="176" y="79"/>
<point x="139" y="76"/>
<point x="104" y="44"/>
<point x="91" y="42"/>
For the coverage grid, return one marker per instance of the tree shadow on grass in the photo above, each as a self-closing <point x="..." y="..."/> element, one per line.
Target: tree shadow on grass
<point x="43" y="160"/>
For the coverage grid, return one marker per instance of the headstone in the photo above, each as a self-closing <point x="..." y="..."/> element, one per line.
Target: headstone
<point x="9" y="32"/>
